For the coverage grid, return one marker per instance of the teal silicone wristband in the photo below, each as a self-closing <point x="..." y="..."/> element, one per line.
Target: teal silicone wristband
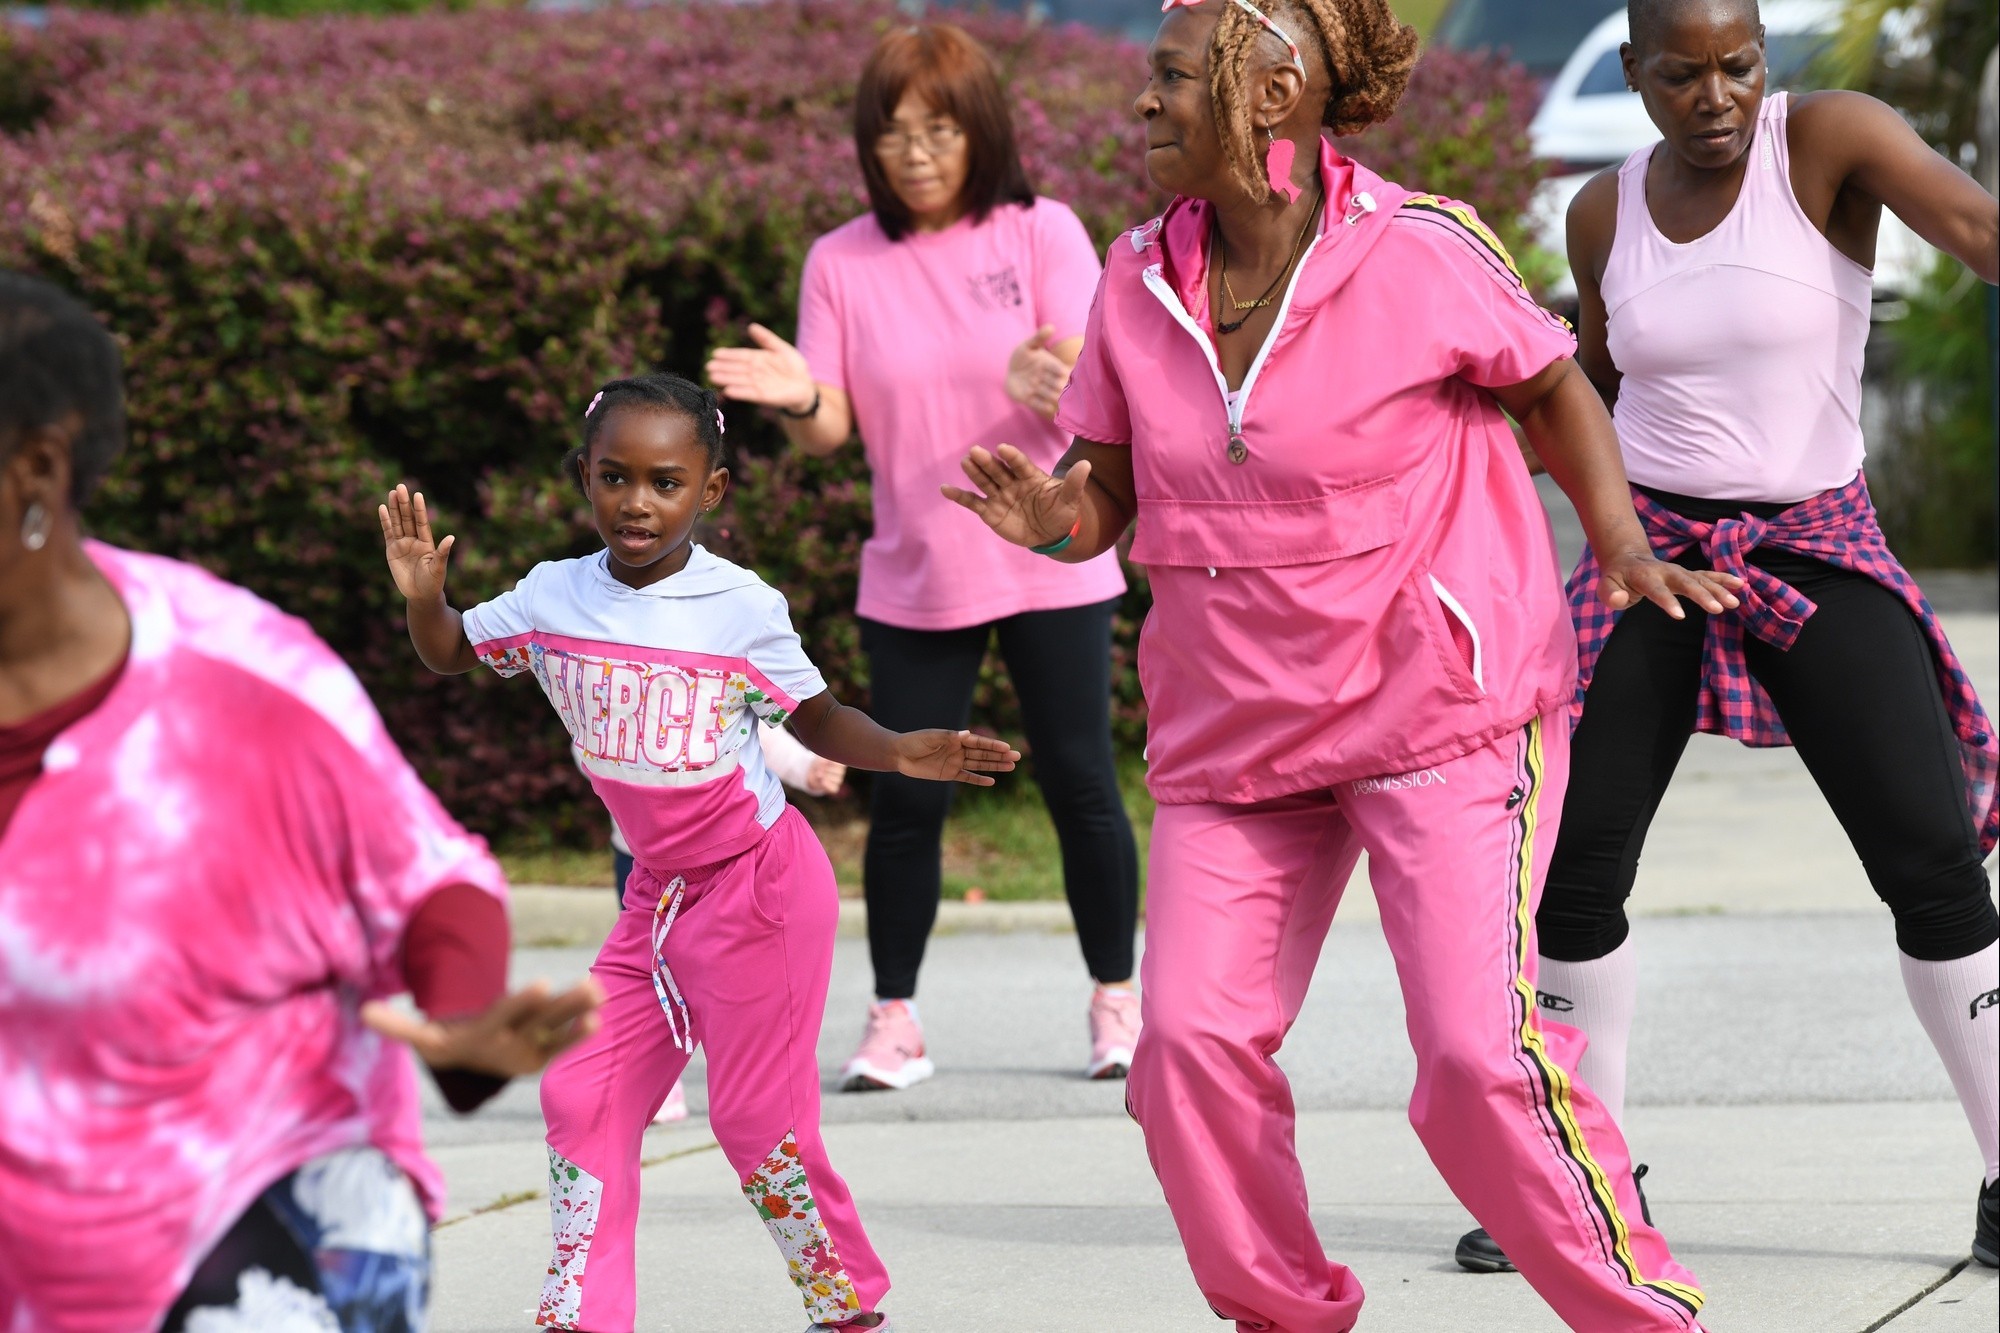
<point x="1055" y="548"/>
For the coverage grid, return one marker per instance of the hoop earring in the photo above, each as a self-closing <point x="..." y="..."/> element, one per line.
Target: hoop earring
<point x="35" y="526"/>
<point x="1278" y="166"/>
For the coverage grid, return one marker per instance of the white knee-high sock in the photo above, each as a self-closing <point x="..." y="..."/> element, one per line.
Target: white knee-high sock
<point x="1597" y="997"/>
<point x="1959" y="1005"/>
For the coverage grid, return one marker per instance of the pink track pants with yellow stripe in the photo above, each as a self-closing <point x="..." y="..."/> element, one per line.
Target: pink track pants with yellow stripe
<point x="747" y="950"/>
<point x="1238" y="905"/>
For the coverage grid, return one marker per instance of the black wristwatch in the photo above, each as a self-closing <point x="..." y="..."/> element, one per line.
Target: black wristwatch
<point x="806" y="415"/>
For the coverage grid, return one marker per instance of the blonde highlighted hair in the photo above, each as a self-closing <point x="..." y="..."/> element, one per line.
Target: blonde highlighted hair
<point x="1367" y="52"/>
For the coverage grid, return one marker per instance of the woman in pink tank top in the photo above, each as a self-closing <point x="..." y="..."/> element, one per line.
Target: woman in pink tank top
<point x="1724" y="277"/>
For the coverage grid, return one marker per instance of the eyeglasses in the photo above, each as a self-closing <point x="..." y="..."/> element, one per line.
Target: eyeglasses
<point x="939" y="138"/>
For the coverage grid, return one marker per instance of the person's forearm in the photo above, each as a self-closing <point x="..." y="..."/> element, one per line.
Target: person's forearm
<point x="1980" y="251"/>
<point x="455" y="959"/>
<point x="1099" y="526"/>
<point x="1105" y="514"/>
<point x="1570" y="432"/>
<point x="825" y="430"/>
<point x="848" y="736"/>
<point x="438" y="634"/>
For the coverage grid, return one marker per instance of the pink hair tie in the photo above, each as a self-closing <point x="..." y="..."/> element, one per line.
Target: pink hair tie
<point x="720" y="429"/>
<point x="1255" y="13"/>
<point x="593" y="405"/>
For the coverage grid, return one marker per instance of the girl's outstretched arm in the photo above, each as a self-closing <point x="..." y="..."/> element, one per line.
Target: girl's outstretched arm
<point x="849" y="736"/>
<point x="418" y="565"/>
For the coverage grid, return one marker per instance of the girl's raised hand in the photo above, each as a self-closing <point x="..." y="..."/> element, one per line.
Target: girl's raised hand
<point x="1018" y="500"/>
<point x="953" y="756"/>
<point x="415" y="561"/>
<point x="773" y="373"/>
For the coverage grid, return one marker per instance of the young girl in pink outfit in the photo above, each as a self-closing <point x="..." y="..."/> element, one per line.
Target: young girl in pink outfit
<point x="661" y="658"/>
<point x="1294" y="381"/>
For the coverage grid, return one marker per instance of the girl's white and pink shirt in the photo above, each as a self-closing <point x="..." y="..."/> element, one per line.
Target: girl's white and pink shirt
<point x="214" y="869"/>
<point x="658" y="687"/>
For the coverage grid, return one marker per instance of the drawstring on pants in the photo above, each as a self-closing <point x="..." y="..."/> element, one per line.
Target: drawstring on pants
<point x="669" y="994"/>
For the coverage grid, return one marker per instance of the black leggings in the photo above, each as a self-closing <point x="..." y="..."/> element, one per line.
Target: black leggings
<point x="1060" y="663"/>
<point x="1859" y="694"/>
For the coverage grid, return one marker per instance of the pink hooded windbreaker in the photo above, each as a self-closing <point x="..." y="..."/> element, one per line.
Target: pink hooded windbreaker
<point x="1373" y="588"/>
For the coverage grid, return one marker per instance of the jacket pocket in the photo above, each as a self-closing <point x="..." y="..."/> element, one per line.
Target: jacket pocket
<point x="1458" y="640"/>
<point x="1236" y="534"/>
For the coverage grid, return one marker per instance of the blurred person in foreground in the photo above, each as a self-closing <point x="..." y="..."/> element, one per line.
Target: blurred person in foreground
<point x="950" y="314"/>
<point x="1294" y="383"/>
<point x="1742" y="436"/>
<point x="214" y="867"/>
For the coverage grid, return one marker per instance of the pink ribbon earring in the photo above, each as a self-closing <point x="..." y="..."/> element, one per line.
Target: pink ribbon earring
<point x="1278" y="166"/>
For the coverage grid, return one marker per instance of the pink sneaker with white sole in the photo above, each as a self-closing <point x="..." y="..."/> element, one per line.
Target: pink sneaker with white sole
<point x="674" y="1109"/>
<point x="1114" y="1031"/>
<point x="891" y="1053"/>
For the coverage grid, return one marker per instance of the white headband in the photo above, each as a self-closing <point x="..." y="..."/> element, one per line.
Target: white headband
<point x="1260" y="16"/>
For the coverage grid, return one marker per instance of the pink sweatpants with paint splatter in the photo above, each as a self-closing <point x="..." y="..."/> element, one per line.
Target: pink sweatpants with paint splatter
<point x="1238" y="904"/>
<point x="735" y="956"/>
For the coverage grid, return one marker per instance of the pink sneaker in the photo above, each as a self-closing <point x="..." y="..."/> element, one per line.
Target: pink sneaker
<point x="674" y="1109"/>
<point x="892" y="1051"/>
<point x="1114" y="1031"/>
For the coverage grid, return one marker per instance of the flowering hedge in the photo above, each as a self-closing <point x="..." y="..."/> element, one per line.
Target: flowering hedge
<point x="344" y="252"/>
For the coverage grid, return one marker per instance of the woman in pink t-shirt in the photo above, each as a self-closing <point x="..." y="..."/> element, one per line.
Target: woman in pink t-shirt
<point x="949" y="314"/>
<point x="1293" y="381"/>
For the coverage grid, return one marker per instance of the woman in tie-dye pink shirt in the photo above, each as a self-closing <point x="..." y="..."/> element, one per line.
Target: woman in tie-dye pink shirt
<point x="211" y="855"/>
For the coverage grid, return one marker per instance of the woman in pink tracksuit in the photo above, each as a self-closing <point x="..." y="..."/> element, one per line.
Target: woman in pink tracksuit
<point x="1293" y="380"/>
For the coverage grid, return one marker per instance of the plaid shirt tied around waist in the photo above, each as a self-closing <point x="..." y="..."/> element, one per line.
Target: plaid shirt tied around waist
<point x="1838" y="527"/>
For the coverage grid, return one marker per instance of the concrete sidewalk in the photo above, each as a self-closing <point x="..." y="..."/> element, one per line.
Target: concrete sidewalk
<point x="1810" y="1168"/>
<point x="1069" y="1233"/>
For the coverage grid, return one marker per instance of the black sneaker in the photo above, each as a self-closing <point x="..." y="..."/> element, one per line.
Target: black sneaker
<point x="1986" y="1233"/>
<point x="1477" y="1252"/>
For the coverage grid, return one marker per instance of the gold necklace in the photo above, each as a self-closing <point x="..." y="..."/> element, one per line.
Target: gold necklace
<point x="1222" y="250"/>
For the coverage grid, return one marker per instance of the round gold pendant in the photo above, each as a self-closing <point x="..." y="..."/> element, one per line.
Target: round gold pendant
<point x="1238" y="450"/>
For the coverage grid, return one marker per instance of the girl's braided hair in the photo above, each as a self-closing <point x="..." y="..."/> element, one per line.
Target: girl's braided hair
<point x="657" y="391"/>
<point x="1367" y="51"/>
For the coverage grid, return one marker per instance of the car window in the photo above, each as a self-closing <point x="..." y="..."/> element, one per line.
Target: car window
<point x="1541" y="34"/>
<point x="1789" y="58"/>
<point x="1606" y="76"/>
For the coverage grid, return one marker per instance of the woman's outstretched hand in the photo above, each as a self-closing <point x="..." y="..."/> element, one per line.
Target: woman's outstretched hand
<point x="1018" y="500"/>
<point x="772" y="374"/>
<point x="953" y="756"/>
<point x="517" y="1034"/>
<point x="1635" y="576"/>
<point x="415" y="561"/>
